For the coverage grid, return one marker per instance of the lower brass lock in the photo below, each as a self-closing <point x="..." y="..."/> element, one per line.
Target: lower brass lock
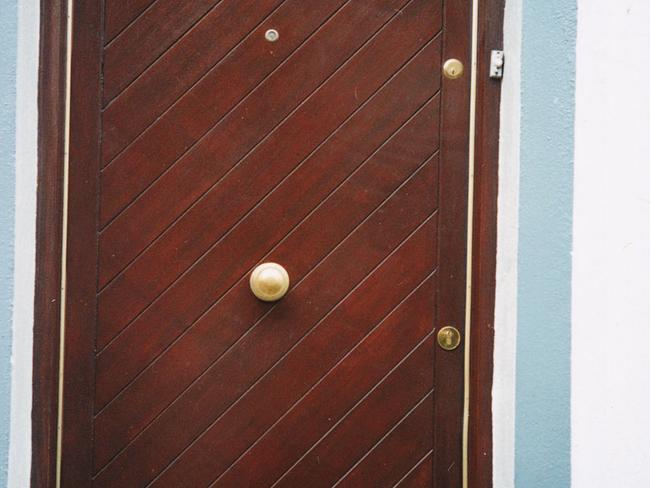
<point x="449" y="338"/>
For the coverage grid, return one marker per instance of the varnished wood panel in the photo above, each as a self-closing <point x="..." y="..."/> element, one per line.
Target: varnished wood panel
<point x="344" y="203"/>
<point x="119" y="14"/>
<point x="316" y="82"/>
<point x="146" y="38"/>
<point x="196" y="63"/>
<point x="261" y="225"/>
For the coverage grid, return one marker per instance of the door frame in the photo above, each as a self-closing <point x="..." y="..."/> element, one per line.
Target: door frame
<point x="53" y="116"/>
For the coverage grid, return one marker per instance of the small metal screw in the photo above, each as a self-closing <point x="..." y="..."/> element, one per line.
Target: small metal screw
<point x="272" y="35"/>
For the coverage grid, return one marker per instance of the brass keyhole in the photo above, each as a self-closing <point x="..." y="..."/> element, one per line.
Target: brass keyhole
<point x="449" y="338"/>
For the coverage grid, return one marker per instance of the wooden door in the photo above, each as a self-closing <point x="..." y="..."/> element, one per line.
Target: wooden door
<point x="201" y="145"/>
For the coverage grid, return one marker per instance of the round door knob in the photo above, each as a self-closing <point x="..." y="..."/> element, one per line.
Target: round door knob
<point x="269" y="282"/>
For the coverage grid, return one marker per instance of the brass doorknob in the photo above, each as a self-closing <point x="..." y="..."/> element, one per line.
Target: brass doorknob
<point x="269" y="282"/>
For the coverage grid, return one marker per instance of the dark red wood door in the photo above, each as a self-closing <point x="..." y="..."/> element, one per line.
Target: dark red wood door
<point x="201" y="145"/>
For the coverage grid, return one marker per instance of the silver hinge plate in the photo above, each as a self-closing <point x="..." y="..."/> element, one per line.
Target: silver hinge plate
<point x="496" y="64"/>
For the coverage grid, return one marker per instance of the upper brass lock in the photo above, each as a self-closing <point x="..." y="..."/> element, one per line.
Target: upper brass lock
<point x="452" y="69"/>
<point x="269" y="282"/>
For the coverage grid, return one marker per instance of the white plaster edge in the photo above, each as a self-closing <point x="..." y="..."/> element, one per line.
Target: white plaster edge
<point x="24" y="245"/>
<point x="505" y="320"/>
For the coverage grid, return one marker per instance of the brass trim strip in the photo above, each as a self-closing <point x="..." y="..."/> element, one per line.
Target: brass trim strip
<point x="64" y="239"/>
<point x="470" y="236"/>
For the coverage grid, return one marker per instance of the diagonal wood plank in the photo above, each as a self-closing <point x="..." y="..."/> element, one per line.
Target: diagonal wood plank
<point x="241" y="131"/>
<point x="387" y="462"/>
<point x="329" y="341"/>
<point x="249" y="187"/>
<point x="364" y="428"/>
<point x="347" y="207"/>
<point x="120" y="13"/>
<point x="318" y="177"/>
<point x="124" y="418"/>
<point x="369" y="373"/>
<point x="282" y="327"/>
<point x="328" y="459"/>
<point x="245" y="129"/>
<point x="144" y="40"/>
<point x="198" y="69"/>
<point x="420" y="475"/>
<point x="141" y="343"/>
<point x="235" y="314"/>
<point x="374" y="412"/>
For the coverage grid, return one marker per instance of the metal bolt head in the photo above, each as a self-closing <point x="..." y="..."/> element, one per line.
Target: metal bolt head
<point x="272" y="35"/>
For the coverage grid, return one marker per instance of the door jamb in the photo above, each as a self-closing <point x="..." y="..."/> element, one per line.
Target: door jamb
<point x="484" y="251"/>
<point x="49" y="225"/>
<point x="52" y="83"/>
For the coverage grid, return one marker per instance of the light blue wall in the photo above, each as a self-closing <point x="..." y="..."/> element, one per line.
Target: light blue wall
<point x="8" y="21"/>
<point x="542" y="419"/>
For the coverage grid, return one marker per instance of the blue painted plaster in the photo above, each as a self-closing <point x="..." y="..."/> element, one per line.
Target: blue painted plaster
<point x="542" y="417"/>
<point x="8" y="43"/>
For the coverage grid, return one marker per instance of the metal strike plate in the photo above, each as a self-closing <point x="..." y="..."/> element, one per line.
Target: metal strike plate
<point x="496" y="64"/>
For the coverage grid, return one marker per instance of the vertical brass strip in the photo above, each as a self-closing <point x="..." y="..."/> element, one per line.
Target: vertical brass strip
<point x="470" y="235"/>
<point x="64" y="239"/>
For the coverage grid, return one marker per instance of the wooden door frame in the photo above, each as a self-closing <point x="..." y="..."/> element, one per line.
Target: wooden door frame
<point x="484" y="245"/>
<point x="49" y="232"/>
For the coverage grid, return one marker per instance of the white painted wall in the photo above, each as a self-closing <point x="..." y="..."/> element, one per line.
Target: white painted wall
<point x="24" y="246"/>
<point x="503" y="393"/>
<point x="611" y="263"/>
